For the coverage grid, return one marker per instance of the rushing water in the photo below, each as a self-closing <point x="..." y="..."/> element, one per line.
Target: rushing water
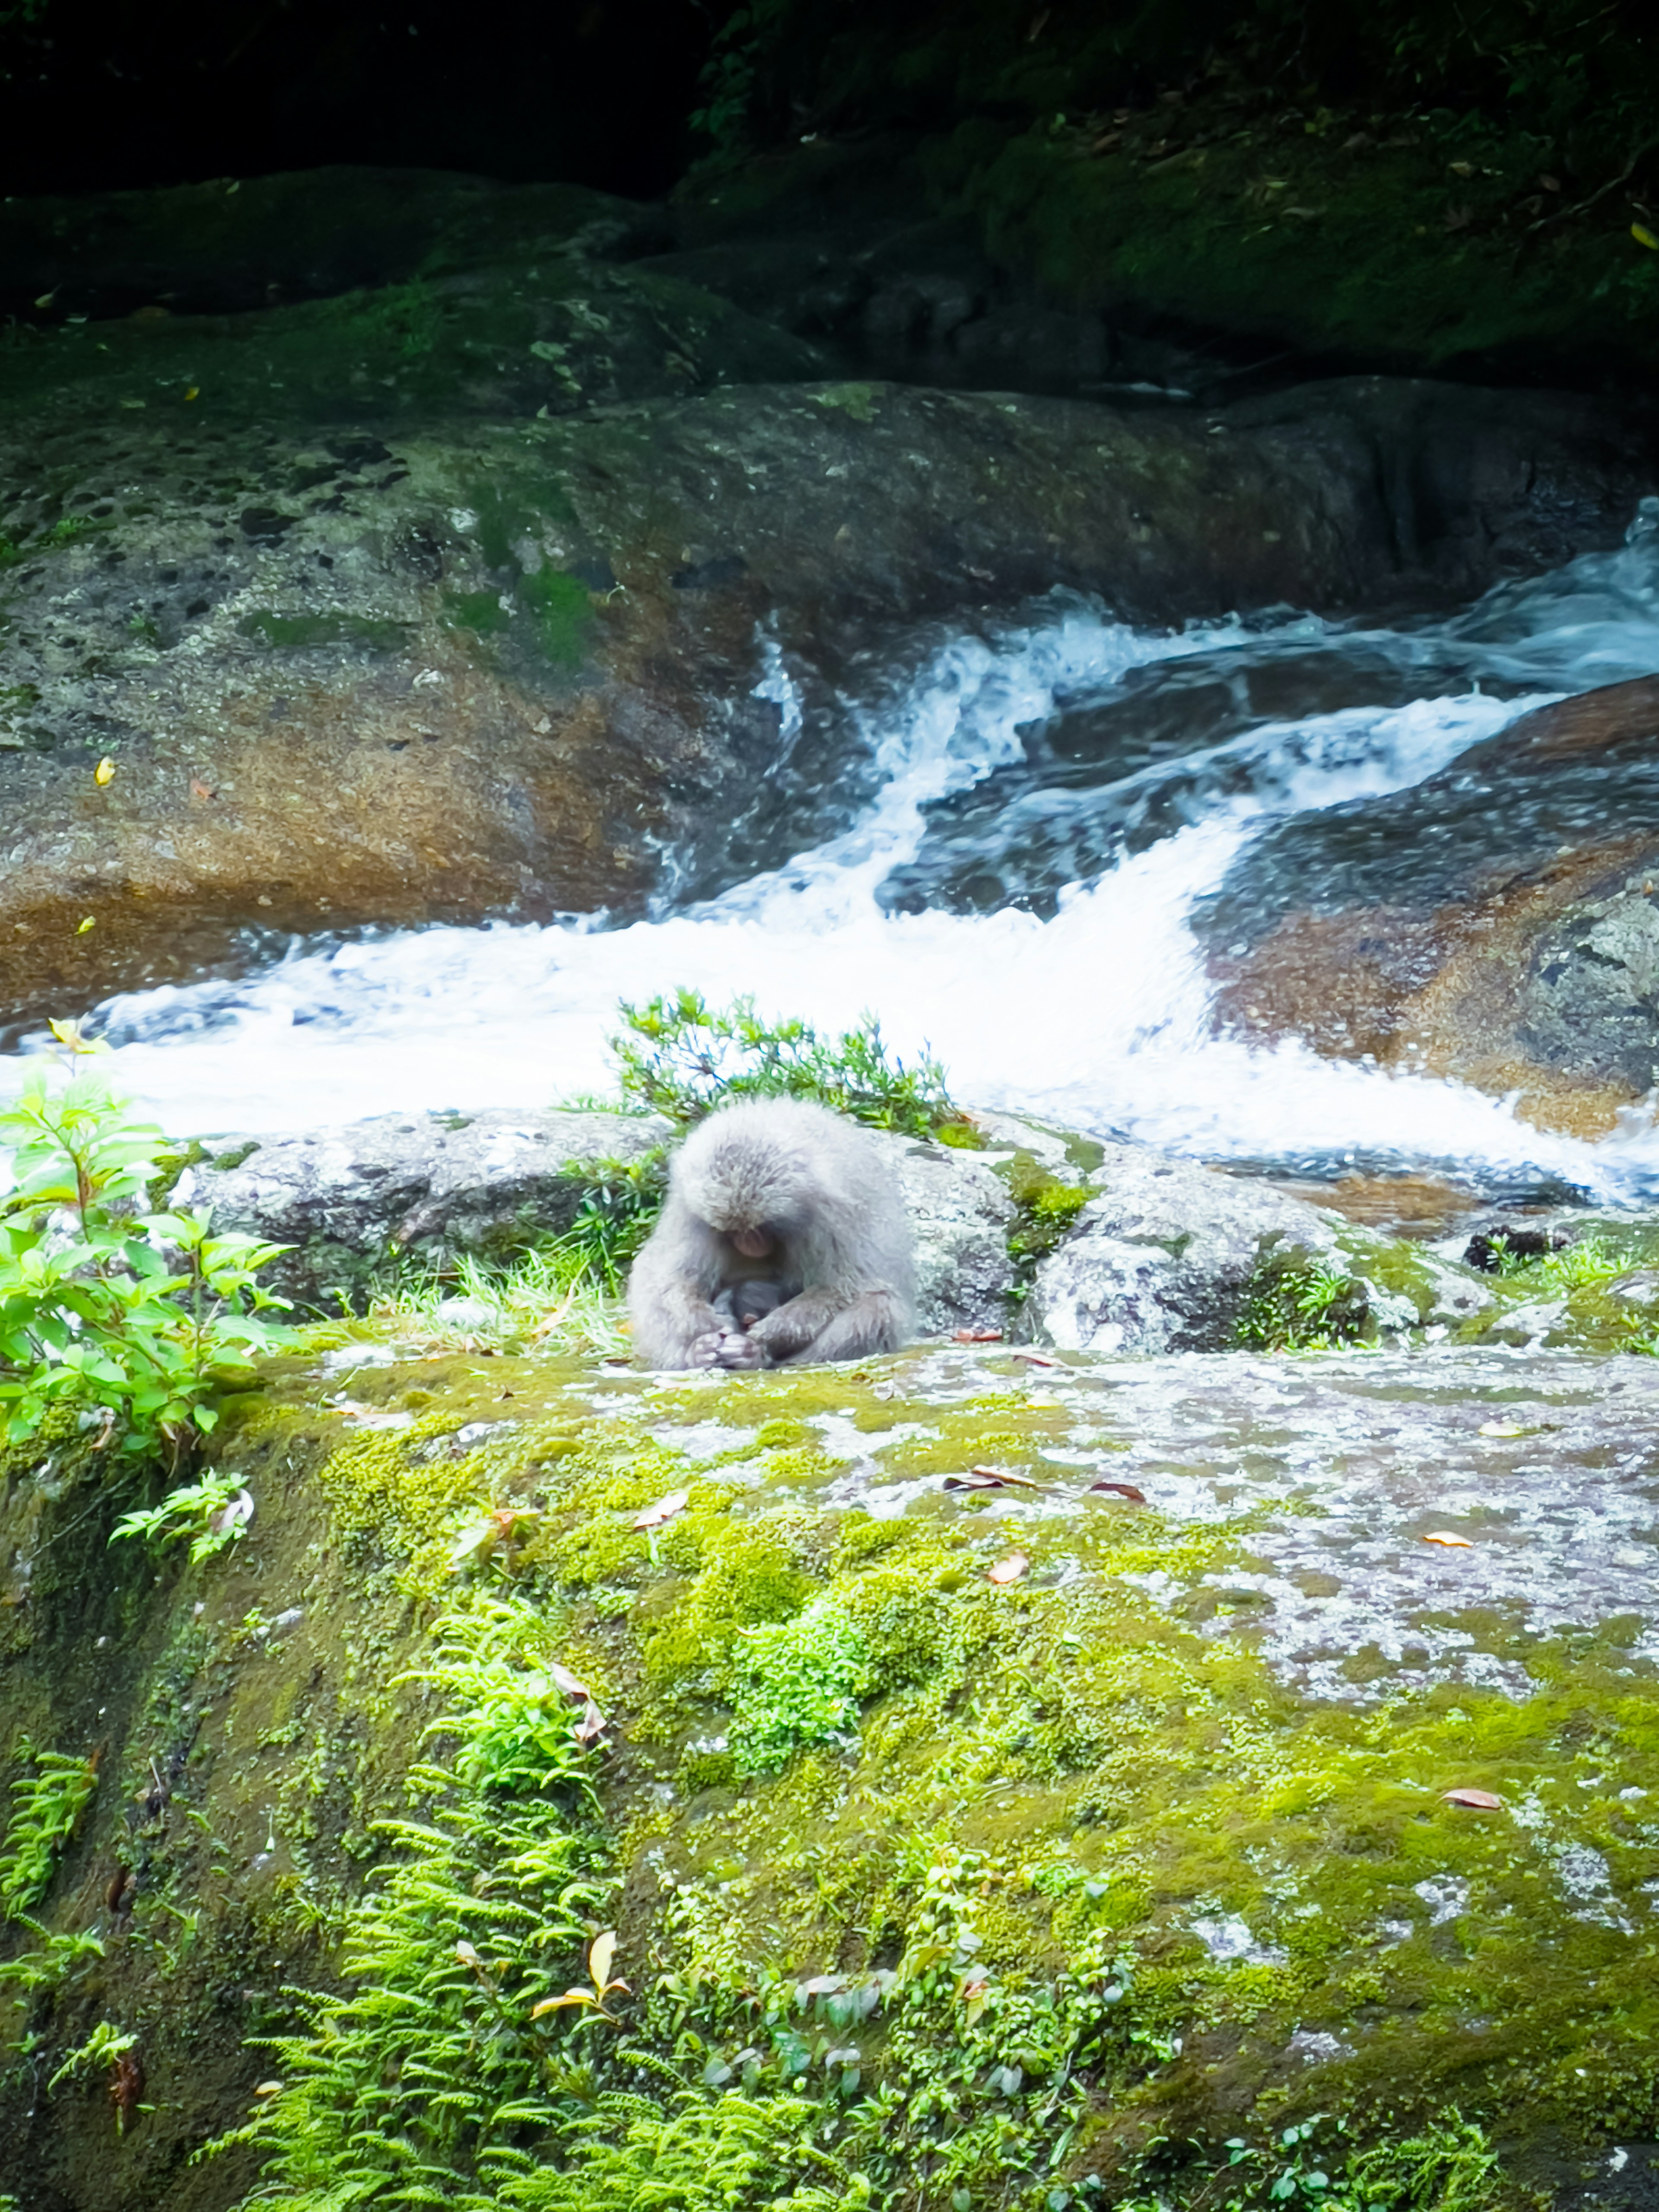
<point x="1079" y="992"/>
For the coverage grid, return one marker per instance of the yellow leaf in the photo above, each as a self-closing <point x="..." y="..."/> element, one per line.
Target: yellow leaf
<point x="555" y="2004"/>
<point x="1452" y="1543"/>
<point x="194" y="392"/>
<point x="1644" y="236"/>
<point x="104" y="771"/>
<point x="91" y="922"/>
<point x="599" y="1959"/>
<point x="268" y="2089"/>
<point x="1011" y="1570"/>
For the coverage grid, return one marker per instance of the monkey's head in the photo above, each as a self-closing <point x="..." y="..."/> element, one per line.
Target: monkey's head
<point x="735" y="1174"/>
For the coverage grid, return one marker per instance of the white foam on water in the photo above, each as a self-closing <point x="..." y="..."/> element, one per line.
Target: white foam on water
<point x="1099" y="1016"/>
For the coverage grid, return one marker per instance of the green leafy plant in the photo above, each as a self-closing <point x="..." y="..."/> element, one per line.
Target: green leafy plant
<point x="1449" y="2166"/>
<point x="621" y="1200"/>
<point x="47" y="1802"/>
<point x="796" y="1682"/>
<point x="589" y="2003"/>
<point x="213" y="1512"/>
<point x="1298" y="1301"/>
<point x="52" y="1965"/>
<point x="137" y="1315"/>
<point x="681" y="1058"/>
<point x="420" y="2081"/>
<point x="104" y="2046"/>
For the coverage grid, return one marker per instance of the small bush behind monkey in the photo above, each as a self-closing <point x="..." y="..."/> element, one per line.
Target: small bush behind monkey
<point x="778" y="1191"/>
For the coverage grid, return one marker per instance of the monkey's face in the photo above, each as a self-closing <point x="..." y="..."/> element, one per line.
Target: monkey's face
<point x="752" y="1195"/>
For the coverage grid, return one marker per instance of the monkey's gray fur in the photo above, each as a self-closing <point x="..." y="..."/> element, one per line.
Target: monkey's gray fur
<point x="816" y="1189"/>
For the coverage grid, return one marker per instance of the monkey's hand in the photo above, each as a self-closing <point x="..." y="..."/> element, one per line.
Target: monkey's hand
<point x="705" y="1350"/>
<point x="738" y="1348"/>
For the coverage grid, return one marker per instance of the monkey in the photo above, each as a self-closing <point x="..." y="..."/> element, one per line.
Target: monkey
<point x="774" y="1191"/>
<point x="744" y="1303"/>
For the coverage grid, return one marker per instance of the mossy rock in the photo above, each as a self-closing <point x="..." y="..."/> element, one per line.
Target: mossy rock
<point x="1228" y="1806"/>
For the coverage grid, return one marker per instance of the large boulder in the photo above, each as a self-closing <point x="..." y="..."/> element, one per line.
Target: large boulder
<point x="1165" y="1254"/>
<point x="368" y="1197"/>
<point x="1494" y="923"/>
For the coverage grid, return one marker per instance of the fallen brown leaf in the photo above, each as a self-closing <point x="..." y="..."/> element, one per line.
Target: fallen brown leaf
<point x="199" y="789"/>
<point x="1122" y="1490"/>
<point x="1478" y="1801"/>
<point x="978" y="1336"/>
<point x="1037" y="1359"/>
<point x="1452" y="1543"/>
<point x="591" y="1725"/>
<point x="664" y="1510"/>
<point x="988" y="1478"/>
<point x="563" y="1679"/>
<point x="1013" y="1569"/>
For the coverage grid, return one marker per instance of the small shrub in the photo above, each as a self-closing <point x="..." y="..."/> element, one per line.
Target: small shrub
<point x="204" y="1511"/>
<point x="679" y="1057"/>
<point x="137" y="1315"/>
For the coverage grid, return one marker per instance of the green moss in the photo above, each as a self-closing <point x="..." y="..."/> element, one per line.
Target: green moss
<point x="750" y="1578"/>
<point x="857" y="401"/>
<point x="1287" y="235"/>
<point x="299" y="633"/>
<point x="1046" y="1207"/>
<point x="794" y="1683"/>
<point x="562" y="607"/>
<point x="481" y="612"/>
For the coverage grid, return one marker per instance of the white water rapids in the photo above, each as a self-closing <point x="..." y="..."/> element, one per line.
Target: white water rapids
<point x="1097" y="1017"/>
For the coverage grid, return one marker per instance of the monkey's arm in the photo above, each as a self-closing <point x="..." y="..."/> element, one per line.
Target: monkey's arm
<point x="826" y="1324"/>
<point x="670" y="1295"/>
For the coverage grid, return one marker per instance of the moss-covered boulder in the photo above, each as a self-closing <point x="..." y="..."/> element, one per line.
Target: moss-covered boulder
<point x="1263" y="1738"/>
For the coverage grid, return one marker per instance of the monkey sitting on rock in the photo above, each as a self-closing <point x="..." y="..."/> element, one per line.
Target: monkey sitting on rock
<point x="783" y="1240"/>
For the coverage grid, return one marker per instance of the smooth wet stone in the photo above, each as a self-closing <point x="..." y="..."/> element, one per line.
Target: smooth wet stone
<point x="1162" y="1259"/>
<point x="369" y="1195"/>
<point x="1495" y="923"/>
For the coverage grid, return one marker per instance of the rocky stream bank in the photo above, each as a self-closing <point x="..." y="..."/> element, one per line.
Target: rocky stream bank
<point x="1021" y="1760"/>
<point x="1206" y="1686"/>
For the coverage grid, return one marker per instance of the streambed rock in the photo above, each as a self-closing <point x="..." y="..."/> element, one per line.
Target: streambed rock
<point x="354" y="1199"/>
<point x="1495" y="923"/>
<point x="1164" y="1255"/>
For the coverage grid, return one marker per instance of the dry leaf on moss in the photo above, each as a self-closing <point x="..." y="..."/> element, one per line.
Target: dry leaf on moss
<point x="665" y="1510"/>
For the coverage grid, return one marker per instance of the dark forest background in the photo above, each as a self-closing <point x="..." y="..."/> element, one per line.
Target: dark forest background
<point x="625" y="93"/>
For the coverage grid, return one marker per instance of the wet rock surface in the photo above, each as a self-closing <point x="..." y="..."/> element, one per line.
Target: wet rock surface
<point x="1165" y="1258"/>
<point x="449" y="598"/>
<point x="1494" y="922"/>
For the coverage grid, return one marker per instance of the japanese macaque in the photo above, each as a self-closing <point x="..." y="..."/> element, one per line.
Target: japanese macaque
<point x="740" y="1305"/>
<point x="776" y="1204"/>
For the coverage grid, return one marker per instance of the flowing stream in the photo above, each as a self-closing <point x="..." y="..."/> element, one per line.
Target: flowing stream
<point x="1053" y="799"/>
